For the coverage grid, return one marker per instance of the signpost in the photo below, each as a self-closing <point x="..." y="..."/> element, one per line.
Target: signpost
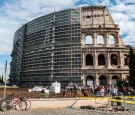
<point x="5" y="79"/>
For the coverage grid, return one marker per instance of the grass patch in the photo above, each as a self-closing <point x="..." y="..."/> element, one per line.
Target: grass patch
<point x="9" y="87"/>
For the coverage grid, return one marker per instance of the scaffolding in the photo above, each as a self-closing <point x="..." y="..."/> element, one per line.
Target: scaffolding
<point x="51" y="49"/>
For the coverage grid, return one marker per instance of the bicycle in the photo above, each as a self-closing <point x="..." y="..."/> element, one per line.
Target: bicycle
<point x="11" y="102"/>
<point x="27" y="101"/>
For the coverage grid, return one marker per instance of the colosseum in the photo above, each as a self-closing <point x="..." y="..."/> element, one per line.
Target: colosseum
<point x="80" y="45"/>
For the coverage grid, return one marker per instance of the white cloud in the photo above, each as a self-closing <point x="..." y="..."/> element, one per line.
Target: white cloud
<point x="129" y="40"/>
<point x="125" y="23"/>
<point x="105" y="2"/>
<point x="7" y="30"/>
<point x="123" y="15"/>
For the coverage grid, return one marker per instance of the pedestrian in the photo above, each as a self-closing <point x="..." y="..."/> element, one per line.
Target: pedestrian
<point x="102" y="91"/>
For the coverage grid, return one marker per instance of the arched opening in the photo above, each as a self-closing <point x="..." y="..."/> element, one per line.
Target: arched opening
<point x="102" y="80"/>
<point x="100" y="39"/>
<point x="89" y="80"/>
<point x="89" y="60"/>
<point x="115" y="80"/>
<point x="114" y="59"/>
<point x="126" y="59"/>
<point x="88" y="39"/>
<point x="111" y="39"/>
<point x="101" y="59"/>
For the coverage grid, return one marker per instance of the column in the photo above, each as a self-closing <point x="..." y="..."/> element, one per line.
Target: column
<point x="106" y="39"/>
<point x="94" y="39"/>
<point x="120" y="59"/>
<point x="95" y="59"/>
<point x="96" y="80"/>
<point x="83" y="80"/>
<point x="117" y="39"/>
<point x="109" y="80"/>
<point x="108" y="59"/>
<point x="121" y="77"/>
<point x="83" y="39"/>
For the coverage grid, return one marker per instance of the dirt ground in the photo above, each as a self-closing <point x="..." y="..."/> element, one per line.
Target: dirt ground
<point x="66" y="94"/>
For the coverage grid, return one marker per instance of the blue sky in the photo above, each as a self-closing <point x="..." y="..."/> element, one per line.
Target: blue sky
<point x="14" y="13"/>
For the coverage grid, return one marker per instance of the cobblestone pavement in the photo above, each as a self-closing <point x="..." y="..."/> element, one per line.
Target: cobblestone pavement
<point x="65" y="112"/>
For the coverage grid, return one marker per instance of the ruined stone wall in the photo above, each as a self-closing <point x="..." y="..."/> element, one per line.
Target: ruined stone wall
<point x="96" y="22"/>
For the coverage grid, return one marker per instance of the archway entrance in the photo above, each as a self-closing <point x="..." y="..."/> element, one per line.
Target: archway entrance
<point x="89" y="60"/>
<point x="101" y="59"/>
<point x="89" y="80"/>
<point x="115" y="80"/>
<point x="102" y="80"/>
<point x="114" y="59"/>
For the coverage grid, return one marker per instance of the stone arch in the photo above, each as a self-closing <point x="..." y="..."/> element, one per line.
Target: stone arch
<point x="100" y="39"/>
<point x="89" y="80"/>
<point x="102" y="80"/>
<point x="114" y="59"/>
<point x="126" y="59"/>
<point x="101" y="59"/>
<point x="89" y="59"/>
<point x="111" y="39"/>
<point x="113" y="34"/>
<point x="115" y="79"/>
<point x="88" y="39"/>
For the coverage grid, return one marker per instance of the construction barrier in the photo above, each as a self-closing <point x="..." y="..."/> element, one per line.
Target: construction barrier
<point x="123" y="101"/>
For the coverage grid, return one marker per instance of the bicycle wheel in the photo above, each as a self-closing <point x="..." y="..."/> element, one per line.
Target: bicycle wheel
<point x="23" y="105"/>
<point x="28" y="104"/>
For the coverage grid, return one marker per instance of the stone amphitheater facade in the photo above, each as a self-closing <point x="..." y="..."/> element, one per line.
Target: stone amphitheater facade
<point x="80" y="45"/>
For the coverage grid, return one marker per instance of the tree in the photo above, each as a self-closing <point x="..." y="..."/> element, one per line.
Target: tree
<point x="131" y="67"/>
<point x="2" y="79"/>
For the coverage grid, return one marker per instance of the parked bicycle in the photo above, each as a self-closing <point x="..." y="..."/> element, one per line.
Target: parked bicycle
<point x="11" y="103"/>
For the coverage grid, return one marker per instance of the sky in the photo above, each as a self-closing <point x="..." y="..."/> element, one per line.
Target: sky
<point x="15" y="13"/>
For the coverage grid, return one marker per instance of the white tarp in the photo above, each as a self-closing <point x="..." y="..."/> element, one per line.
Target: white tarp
<point x="55" y="87"/>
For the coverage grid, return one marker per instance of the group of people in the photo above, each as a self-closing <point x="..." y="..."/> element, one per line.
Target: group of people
<point x="110" y="90"/>
<point x="102" y="90"/>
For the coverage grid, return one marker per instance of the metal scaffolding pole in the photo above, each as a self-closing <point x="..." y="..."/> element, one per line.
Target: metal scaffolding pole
<point x="53" y="24"/>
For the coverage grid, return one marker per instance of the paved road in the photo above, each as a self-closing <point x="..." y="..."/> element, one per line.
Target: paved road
<point x="65" y="112"/>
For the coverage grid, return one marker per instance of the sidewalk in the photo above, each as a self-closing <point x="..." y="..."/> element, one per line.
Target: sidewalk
<point x="63" y="103"/>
